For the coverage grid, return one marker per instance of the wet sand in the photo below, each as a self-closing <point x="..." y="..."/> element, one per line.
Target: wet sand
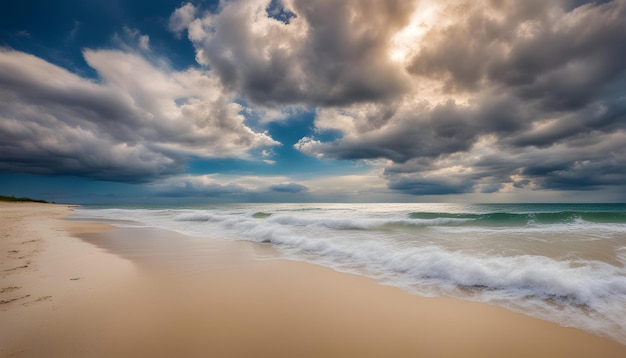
<point x="148" y="292"/>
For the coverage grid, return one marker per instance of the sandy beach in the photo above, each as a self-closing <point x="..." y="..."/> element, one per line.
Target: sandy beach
<point x="77" y="289"/>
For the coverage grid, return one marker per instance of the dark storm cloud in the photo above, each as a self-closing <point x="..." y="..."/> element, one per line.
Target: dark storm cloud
<point x="596" y="162"/>
<point x="328" y="53"/>
<point x="587" y="124"/>
<point x="417" y="185"/>
<point x="593" y="162"/>
<point x="138" y="123"/>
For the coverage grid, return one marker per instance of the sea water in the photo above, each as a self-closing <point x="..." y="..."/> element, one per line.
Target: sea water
<point x="561" y="262"/>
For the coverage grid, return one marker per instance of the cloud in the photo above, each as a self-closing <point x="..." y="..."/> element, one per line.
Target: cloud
<point x="136" y="123"/>
<point x="426" y="84"/>
<point x="367" y="186"/>
<point x="181" y="18"/>
<point x="71" y="36"/>
<point x="422" y="186"/>
<point x="291" y="188"/>
<point x="502" y="95"/>
<point x="24" y="34"/>
<point x="144" y="42"/>
<point x="195" y="186"/>
<point x="267" y="154"/>
<point x="131" y="39"/>
<point x="593" y="163"/>
<point x="536" y="49"/>
<point x="311" y="54"/>
<point x="240" y="187"/>
<point x="406" y="130"/>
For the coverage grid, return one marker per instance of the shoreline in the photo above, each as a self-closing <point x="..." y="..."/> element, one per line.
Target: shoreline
<point x="45" y="269"/>
<point x="153" y="292"/>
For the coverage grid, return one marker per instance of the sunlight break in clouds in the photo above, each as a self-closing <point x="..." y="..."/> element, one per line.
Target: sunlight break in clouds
<point x="407" y="41"/>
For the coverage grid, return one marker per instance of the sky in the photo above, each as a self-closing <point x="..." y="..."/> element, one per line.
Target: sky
<point x="126" y="101"/>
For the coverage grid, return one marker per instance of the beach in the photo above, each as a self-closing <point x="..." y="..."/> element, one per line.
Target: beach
<point x="78" y="288"/>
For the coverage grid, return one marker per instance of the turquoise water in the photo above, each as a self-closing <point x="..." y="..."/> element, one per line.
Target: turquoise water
<point x="561" y="262"/>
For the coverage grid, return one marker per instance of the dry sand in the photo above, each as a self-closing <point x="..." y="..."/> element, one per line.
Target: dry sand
<point x="143" y="292"/>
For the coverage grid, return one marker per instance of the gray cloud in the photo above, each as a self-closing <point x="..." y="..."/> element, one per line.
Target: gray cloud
<point x="292" y="188"/>
<point x="137" y="123"/>
<point x="417" y="185"/>
<point x="593" y="163"/>
<point x="542" y="82"/>
<point x="317" y="57"/>
<point x="228" y="188"/>
<point x="413" y="130"/>
<point x="535" y="48"/>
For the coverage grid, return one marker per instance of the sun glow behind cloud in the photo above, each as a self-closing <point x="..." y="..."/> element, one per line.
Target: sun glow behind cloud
<point x="407" y="41"/>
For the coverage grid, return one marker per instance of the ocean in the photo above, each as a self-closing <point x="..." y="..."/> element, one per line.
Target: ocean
<point x="565" y="263"/>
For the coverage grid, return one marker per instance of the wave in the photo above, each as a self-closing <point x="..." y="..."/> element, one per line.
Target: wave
<point x="578" y="282"/>
<point x="421" y="220"/>
<point x="572" y="292"/>
<point x="523" y="219"/>
<point x="195" y="216"/>
<point x="342" y="224"/>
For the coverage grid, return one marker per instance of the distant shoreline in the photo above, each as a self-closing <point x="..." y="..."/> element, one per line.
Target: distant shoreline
<point x="13" y="199"/>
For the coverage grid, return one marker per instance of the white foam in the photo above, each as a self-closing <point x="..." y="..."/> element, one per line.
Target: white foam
<point x="621" y="255"/>
<point x="359" y="224"/>
<point x="340" y="224"/>
<point x="194" y="216"/>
